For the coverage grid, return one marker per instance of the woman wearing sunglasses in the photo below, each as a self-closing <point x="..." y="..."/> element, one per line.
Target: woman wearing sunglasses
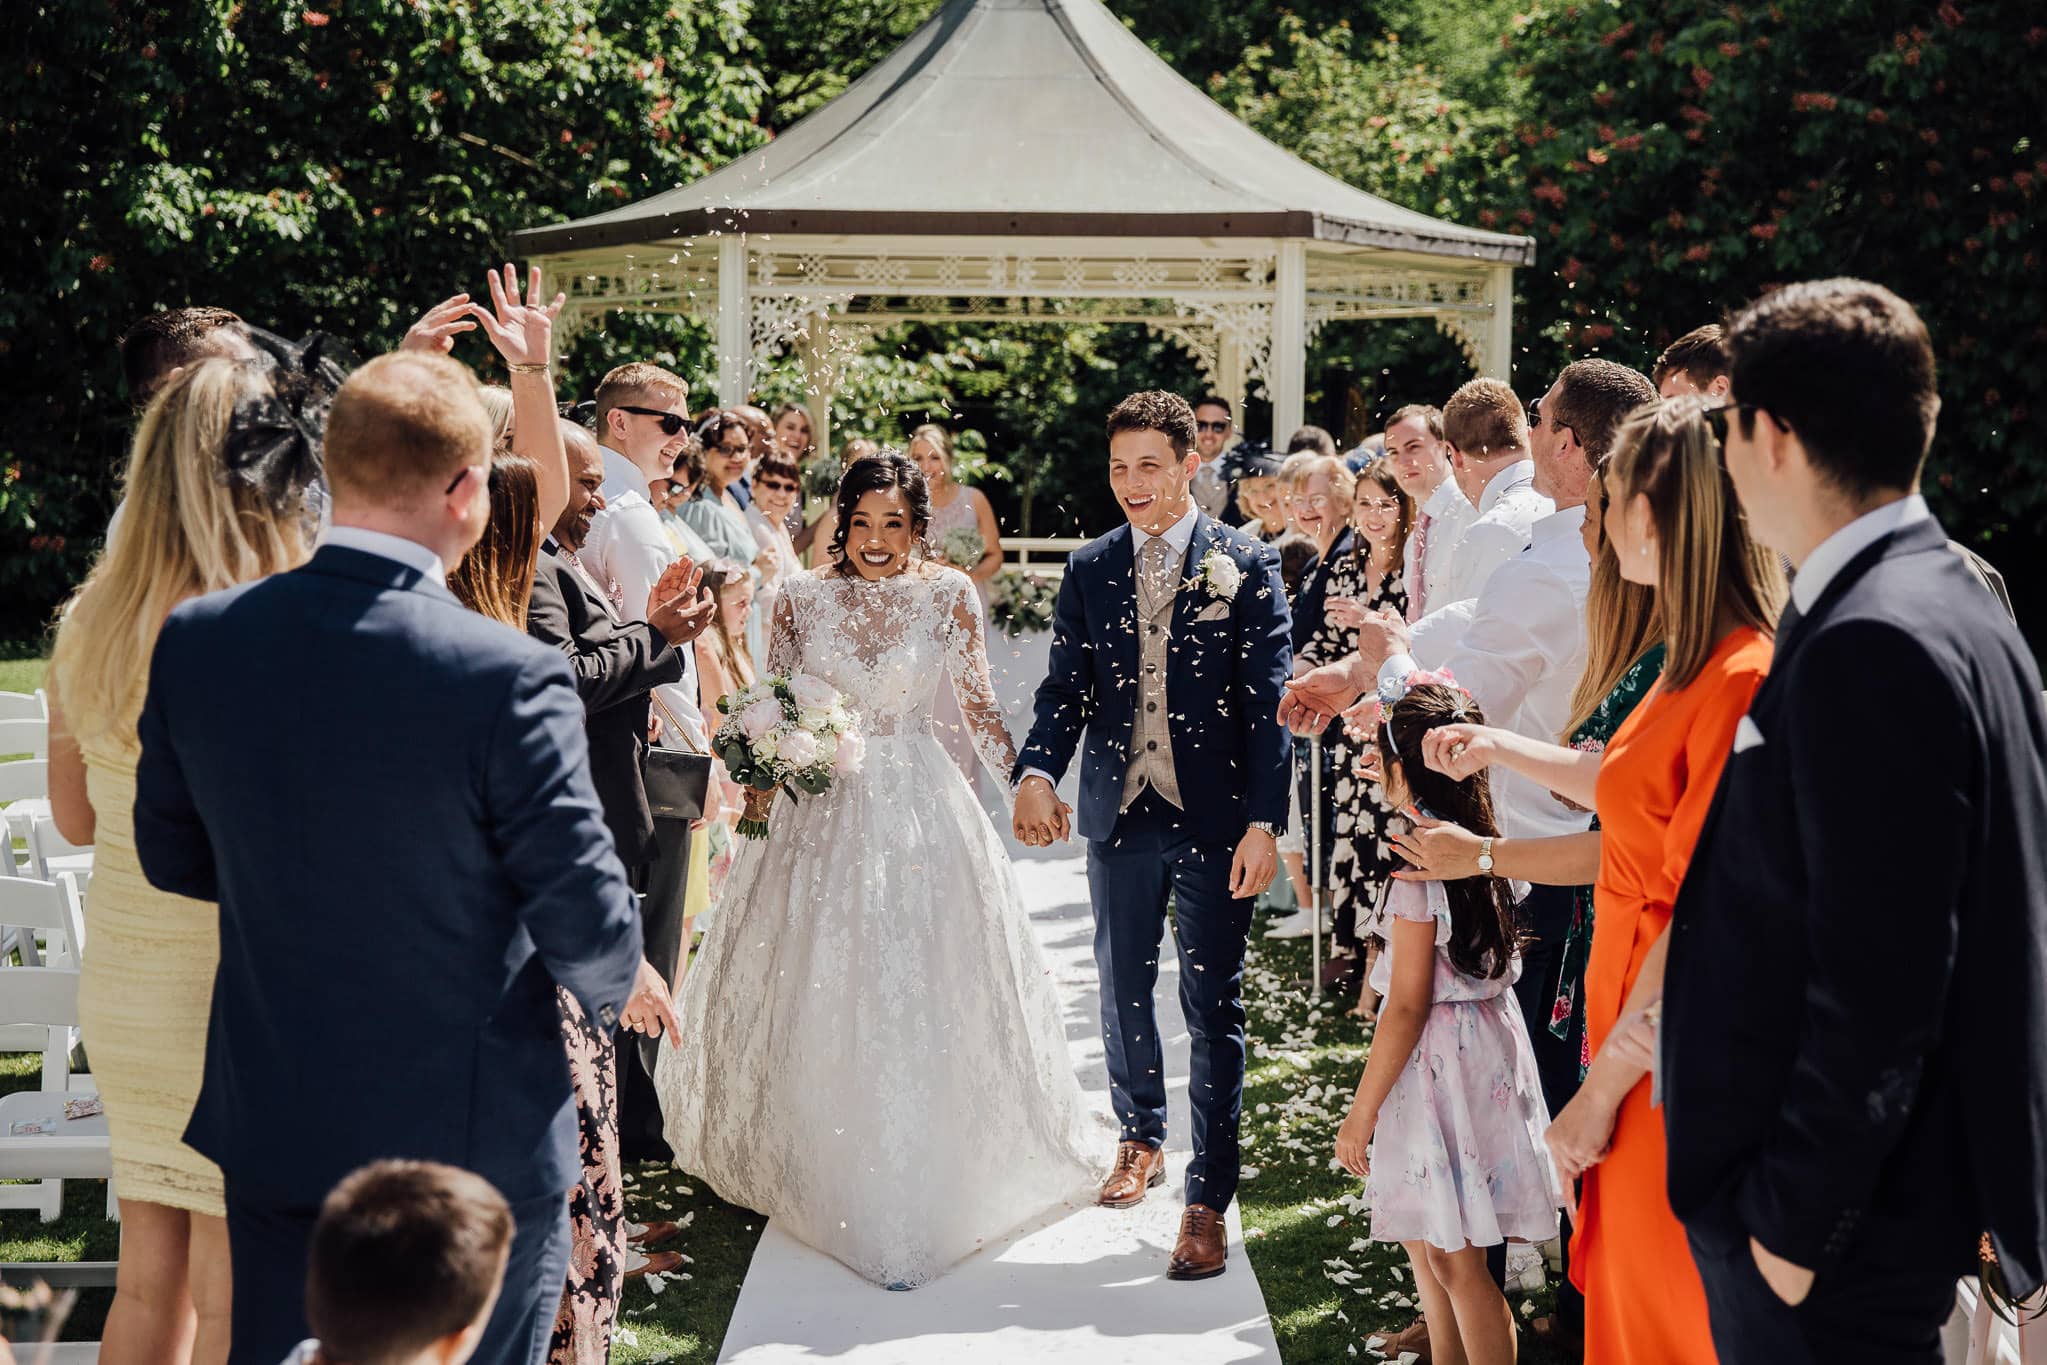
<point x="711" y="510"/>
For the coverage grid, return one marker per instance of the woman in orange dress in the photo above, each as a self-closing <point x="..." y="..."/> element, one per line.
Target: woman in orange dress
<point x="1675" y="525"/>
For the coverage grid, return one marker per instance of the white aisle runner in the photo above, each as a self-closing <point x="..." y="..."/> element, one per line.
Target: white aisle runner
<point x="1082" y="1285"/>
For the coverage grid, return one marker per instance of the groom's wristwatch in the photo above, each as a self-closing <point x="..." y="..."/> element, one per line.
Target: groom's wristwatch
<point x="1265" y="827"/>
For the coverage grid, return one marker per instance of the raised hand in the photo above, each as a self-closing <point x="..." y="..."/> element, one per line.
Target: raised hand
<point x="434" y="333"/>
<point x="522" y="330"/>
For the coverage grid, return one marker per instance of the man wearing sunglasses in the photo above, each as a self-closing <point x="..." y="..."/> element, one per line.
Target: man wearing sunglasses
<point x="1213" y="483"/>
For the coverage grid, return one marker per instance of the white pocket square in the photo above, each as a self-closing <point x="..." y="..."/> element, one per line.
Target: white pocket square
<point x="1747" y="736"/>
<point x="1214" y="611"/>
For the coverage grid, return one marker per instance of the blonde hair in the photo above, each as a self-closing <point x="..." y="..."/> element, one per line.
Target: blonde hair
<point x="497" y="405"/>
<point x="626" y="385"/>
<point x="938" y="438"/>
<point x="1620" y="625"/>
<point x="1709" y="569"/>
<point x="402" y="426"/>
<point x="1304" y="465"/>
<point x="185" y="529"/>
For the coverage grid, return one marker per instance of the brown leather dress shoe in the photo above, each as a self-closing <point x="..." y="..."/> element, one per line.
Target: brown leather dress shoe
<point x="656" y="1263"/>
<point x="1139" y="1167"/>
<point x="1201" y="1250"/>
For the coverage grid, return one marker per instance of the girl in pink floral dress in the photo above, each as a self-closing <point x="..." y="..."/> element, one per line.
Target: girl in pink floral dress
<point x="1447" y="1123"/>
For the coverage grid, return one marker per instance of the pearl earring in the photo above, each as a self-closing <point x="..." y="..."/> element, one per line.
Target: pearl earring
<point x="1643" y="549"/>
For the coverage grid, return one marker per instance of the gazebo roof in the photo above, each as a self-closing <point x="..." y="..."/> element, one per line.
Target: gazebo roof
<point x="1026" y="117"/>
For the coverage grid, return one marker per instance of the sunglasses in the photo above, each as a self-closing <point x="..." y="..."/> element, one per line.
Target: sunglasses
<point x="671" y="422"/>
<point x="1211" y="426"/>
<point x="1535" y="421"/>
<point x="1716" y="418"/>
<point x="775" y="485"/>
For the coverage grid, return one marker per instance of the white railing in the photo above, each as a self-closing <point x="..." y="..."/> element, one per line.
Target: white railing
<point x="1047" y="554"/>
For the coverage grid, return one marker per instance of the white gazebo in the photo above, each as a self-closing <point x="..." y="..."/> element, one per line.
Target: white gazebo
<point x="1031" y="160"/>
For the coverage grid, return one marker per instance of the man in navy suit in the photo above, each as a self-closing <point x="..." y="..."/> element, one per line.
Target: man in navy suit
<point x="1169" y="651"/>
<point x="1854" y="1020"/>
<point x="390" y="798"/>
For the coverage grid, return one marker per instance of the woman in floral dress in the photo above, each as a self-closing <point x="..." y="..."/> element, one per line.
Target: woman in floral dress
<point x="1369" y="578"/>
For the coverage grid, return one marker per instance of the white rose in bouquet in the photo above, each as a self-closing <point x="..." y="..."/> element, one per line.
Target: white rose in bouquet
<point x="812" y="693"/>
<point x="769" y="747"/>
<point x="851" y="750"/>
<point x="814" y="718"/>
<point x="827" y="747"/>
<point x="798" y="749"/>
<point x="760" y="717"/>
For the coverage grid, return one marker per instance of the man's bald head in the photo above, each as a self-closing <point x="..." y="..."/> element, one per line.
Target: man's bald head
<point x="401" y="428"/>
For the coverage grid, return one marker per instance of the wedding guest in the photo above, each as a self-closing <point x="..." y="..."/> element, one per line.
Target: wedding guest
<point x="1420" y="456"/>
<point x="714" y="510"/>
<point x="725" y="659"/>
<point x="816" y="538"/>
<point x="1839" y="1147"/>
<point x="158" y="345"/>
<point x="215" y="486"/>
<point x="1215" y="430"/>
<point x="1675" y="528"/>
<point x="1297" y="555"/>
<point x="1369" y="579"/>
<point x="405" y="1262"/>
<point x="792" y="433"/>
<point x="1368" y="451"/>
<point x="1695" y="365"/>
<point x="497" y="403"/>
<point x="496" y="577"/>
<point x="1320" y="492"/>
<point x="777" y="491"/>
<point x="1259" y="495"/>
<point x="441" y="731"/>
<point x="670" y="494"/>
<point x="1446" y="1123"/>
<point x="760" y="431"/>
<point x="955" y="507"/>
<point x="1313" y="440"/>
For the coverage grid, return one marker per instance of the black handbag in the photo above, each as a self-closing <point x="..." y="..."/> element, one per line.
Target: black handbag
<point x="678" y="780"/>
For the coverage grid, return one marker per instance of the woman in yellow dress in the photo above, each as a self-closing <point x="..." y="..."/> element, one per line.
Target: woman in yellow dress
<point x="215" y="495"/>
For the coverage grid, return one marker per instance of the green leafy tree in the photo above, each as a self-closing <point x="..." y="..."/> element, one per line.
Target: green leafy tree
<point x="324" y="165"/>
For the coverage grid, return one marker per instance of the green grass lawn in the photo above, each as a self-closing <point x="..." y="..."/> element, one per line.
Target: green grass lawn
<point x="22" y="675"/>
<point x="1329" y="1288"/>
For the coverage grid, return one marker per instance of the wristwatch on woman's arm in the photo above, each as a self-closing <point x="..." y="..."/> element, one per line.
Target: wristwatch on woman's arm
<point x="1485" y="855"/>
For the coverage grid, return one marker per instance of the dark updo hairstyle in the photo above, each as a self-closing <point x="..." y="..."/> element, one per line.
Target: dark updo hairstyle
<point x="875" y="474"/>
<point x="1483" y="938"/>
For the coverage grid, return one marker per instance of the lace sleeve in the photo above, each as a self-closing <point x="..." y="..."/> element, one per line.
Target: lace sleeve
<point x="785" y="651"/>
<point x="966" y="659"/>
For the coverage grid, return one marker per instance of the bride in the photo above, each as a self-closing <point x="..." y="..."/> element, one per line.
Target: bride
<point x="871" y="1050"/>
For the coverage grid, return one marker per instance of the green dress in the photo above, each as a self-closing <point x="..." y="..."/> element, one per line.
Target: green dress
<point x="1567" y="1015"/>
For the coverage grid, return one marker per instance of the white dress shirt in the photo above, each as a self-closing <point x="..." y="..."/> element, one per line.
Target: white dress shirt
<point x="1450" y="515"/>
<point x="410" y="553"/>
<point x="1832" y="554"/>
<point x="1500" y="528"/>
<point x="1521" y="657"/>
<point x="627" y="552"/>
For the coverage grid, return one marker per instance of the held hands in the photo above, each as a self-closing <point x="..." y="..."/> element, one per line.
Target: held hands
<point x="1256" y="859"/>
<point x="1580" y="1137"/>
<point x="523" y="332"/>
<point x="649" y="1010"/>
<point x="1354" y="1141"/>
<point x="1381" y="635"/>
<point x="1438" y="850"/>
<point x="1040" y="817"/>
<point x="674" y="607"/>
<point x="1458" y="751"/>
<point x="434" y="333"/>
<point x="1319" y="696"/>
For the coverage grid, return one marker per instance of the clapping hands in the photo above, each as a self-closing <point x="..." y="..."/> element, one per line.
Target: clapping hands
<point x="678" y="607"/>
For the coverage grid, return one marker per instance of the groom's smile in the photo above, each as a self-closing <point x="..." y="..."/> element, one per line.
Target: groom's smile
<point x="1149" y="478"/>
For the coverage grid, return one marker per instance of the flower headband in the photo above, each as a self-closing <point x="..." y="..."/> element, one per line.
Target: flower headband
<point x="1400" y="675"/>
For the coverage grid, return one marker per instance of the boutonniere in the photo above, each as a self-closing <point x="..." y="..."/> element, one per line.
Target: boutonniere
<point x="1218" y="573"/>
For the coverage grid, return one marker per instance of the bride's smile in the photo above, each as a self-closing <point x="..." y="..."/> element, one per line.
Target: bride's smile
<point x="880" y="533"/>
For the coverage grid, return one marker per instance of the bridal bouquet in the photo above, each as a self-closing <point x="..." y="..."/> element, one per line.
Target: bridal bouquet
<point x="793" y="733"/>
<point x="962" y="547"/>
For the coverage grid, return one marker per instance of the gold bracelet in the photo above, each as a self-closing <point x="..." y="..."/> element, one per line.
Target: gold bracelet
<point x="540" y="368"/>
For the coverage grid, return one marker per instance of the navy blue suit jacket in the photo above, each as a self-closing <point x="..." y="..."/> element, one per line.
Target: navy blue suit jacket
<point x="390" y="798"/>
<point x="1855" y="1003"/>
<point x="1225" y="672"/>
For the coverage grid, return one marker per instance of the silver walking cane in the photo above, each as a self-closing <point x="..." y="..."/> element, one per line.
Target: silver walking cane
<point x="1315" y="862"/>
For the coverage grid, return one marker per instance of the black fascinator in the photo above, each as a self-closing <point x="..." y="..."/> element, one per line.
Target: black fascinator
<point x="274" y="437"/>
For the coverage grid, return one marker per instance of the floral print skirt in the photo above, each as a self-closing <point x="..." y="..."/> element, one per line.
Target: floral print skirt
<point x="582" y="1328"/>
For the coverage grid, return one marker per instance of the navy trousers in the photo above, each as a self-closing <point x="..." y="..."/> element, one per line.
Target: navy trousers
<point x="1152" y="858"/>
<point x="268" y="1245"/>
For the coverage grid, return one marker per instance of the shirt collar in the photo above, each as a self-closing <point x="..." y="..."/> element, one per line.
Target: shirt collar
<point x="620" y="476"/>
<point x="1515" y="475"/>
<point x="1176" y="536"/>
<point x="1566" y="521"/>
<point x="1833" y="553"/>
<point x="410" y="553"/>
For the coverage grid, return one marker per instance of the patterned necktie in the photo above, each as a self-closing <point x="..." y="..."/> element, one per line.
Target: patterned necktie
<point x="1156" y="572"/>
<point x="1417" y="581"/>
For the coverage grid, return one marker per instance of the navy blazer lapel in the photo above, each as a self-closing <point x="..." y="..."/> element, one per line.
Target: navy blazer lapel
<point x="1920" y="536"/>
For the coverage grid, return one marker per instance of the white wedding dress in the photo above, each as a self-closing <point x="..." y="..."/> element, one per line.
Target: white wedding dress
<point x="872" y="1052"/>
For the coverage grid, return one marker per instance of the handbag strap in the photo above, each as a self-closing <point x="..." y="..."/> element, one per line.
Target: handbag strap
<point x="680" y="729"/>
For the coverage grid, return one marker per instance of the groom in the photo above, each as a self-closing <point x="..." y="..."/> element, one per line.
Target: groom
<point x="1170" y="650"/>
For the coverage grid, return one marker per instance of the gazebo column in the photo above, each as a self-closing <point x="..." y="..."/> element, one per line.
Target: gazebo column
<point x="1498" y="362"/>
<point x="735" y="325"/>
<point x="1230" y="372"/>
<point x="817" y="384"/>
<point x="1286" y="374"/>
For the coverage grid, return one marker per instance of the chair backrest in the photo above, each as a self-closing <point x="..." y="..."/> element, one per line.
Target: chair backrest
<point x="55" y="907"/>
<point x="31" y="737"/>
<point x="24" y="778"/>
<point x="23" y="706"/>
<point x="47" y="996"/>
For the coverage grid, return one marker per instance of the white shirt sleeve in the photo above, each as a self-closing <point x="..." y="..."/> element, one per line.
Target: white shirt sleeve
<point x="629" y="549"/>
<point x="1523" y="627"/>
<point x="1484" y="547"/>
<point x="1436" y="636"/>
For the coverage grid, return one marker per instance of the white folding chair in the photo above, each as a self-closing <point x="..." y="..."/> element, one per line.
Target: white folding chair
<point x="48" y="853"/>
<point x="23" y="736"/>
<point x="24" y="706"/>
<point x="47" y="997"/>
